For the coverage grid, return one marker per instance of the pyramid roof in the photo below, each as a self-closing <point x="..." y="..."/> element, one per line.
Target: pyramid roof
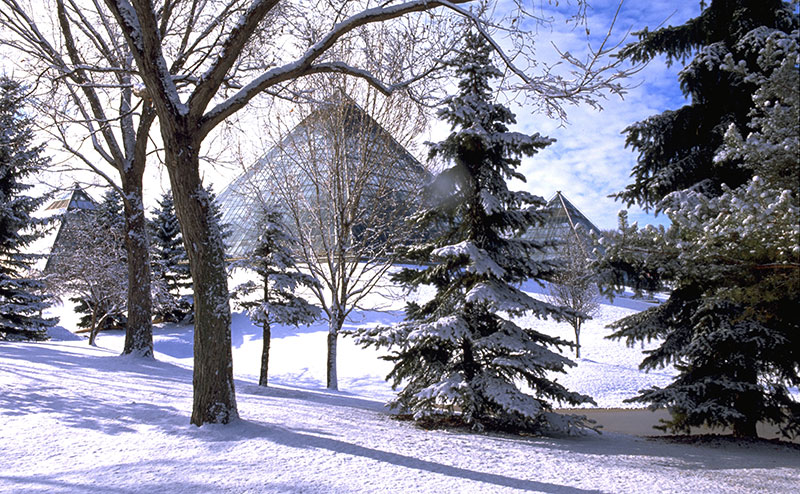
<point x="72" y="199"/>
<point x="244" y="197"/>
<point x="564" y="220"/>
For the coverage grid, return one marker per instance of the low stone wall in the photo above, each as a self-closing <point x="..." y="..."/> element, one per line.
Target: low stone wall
<point x="640" y="422"/>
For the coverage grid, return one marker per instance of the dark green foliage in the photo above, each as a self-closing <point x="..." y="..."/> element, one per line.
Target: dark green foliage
<point x="275" y="301"/>
<point x="110" y="213"/>
<point x="170" y="264"/>
<point x="629" y="260"/>
<point x="22" y="297"/>
<point x="216" y="214"/>
<point x="732" y="253"/>
<point x="114" y="320"/>
<point x="676" y="148"/>
<point x="460" y="353"/>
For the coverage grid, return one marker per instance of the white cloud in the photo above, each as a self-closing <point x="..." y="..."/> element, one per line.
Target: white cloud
<point x="589" y="161"/>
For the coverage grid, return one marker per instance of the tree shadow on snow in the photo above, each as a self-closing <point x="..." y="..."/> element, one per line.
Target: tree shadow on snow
<point x="327" y="398"/>
<point x="97" y="411"/>
<point x="693" y="457"/>
<point x="160" y="475"/>
<point x="245" y="430"/>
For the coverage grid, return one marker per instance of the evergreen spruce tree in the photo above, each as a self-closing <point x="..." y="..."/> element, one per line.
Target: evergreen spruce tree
<point x="628" y="260"/>
<point x="730" y="327"/>
<point x="170" y="263"/>
<point x="109" y="210"/>
<point x="677" y="148"/>
<point x="22" y="298"/>
<point x="276" y="302"/>
<point x="461" y="352"/>
<point x="216" y="213"/>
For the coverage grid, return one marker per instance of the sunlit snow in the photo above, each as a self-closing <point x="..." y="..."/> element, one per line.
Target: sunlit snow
<point x="79" y="419"/>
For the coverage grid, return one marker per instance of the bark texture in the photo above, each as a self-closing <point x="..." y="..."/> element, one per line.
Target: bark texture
<point x="334" y="325"/>
<point x="264" y="379"/>
<point x="139" y="333"/>
<point x="214" y="394"/>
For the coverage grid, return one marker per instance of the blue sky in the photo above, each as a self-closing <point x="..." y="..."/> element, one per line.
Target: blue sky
<point x="589" y="161"/>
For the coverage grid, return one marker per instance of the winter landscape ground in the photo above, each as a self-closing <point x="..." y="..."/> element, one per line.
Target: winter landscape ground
<point x="82" y="419"/>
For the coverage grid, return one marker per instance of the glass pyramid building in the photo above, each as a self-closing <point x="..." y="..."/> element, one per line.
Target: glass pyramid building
<point x="563" y="223"/>
<point x="67" y="203"/>
<point x="336" y="152"/>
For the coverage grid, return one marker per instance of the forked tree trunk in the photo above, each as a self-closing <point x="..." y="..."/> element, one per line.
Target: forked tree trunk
<point x="214" y="394"/>
<point x="139" y="331"/>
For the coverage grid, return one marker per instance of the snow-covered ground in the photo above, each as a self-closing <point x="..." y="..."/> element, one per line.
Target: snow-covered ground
<point x="607" y="370"/>
<point x="80" y="419"/>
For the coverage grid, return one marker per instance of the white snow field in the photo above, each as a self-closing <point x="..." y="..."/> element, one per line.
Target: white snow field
<point x="79" y="419"/>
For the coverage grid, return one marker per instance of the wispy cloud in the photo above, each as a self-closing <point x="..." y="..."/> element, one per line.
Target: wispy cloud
<point x="589" y="161"/>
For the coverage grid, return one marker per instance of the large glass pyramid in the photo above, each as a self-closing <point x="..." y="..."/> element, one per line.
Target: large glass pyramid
<point x="65" y="205"/>
<point x="341" y="134"/>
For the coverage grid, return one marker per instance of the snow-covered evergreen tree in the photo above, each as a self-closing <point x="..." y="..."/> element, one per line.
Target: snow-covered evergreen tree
<point x="170" y="263"/>
<point x="109" y="212"/>
<point x="216" y="213"/>
<point x="275" y="301"/>
<point x="732" y="254"/>
<point x="22" y="297"/>
<point x="628" y="260"/>
<point x="461" y="351"/>
<point x="677" y="147"/>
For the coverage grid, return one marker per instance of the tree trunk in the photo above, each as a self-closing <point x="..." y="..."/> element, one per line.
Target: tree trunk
<point x="264" y="379"/>
<point x="334" y="326"/>
<point x="93" y="327"/>
<point x="333" y="378"/>
<point x="577" y="328"/>
<point x="745" y="428"/>
<point x="139" y="330"/>
<point x="214" y="394"/>
<point x="468" y="360"/>
<point x="746" y="403"/>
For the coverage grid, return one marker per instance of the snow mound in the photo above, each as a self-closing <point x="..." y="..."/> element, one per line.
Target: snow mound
<point x="60" y="333"/>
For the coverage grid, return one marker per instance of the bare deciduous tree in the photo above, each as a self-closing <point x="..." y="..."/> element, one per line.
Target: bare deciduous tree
<point x="85" y="75"/>
<point x="575" y="285"/>
<point x="203" y="71"/>
<point x="346" y="187"/>
<point x="87" y="263"/>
